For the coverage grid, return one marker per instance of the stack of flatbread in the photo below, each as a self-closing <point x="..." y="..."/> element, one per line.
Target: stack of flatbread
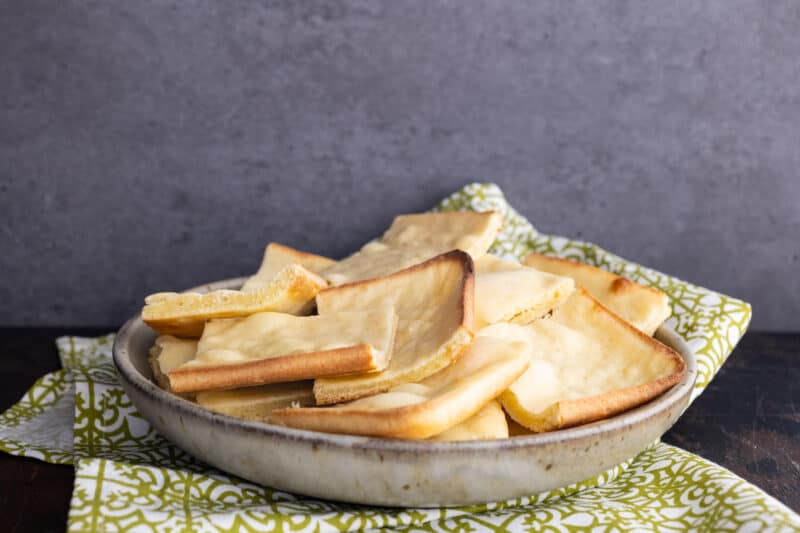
<point x="421" y="334"/>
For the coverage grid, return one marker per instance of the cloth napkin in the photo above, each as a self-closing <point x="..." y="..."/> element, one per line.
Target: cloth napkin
<point x="127" y="477"/>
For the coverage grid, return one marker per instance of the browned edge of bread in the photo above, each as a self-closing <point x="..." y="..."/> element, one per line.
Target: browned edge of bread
<point x="569" y="413"/>
<point x="466" y="318"/>
<point x="294" y="367"/>
<point x="465" y="308"/>
<point x="617" y="283"/>
<point x="300" y="282"/>
<point x="417" y="421"/>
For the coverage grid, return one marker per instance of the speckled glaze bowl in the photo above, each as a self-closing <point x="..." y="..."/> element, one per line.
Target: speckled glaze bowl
<point x="393" y="472"/>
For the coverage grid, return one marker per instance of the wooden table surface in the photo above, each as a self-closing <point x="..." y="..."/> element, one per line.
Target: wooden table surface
<point x="748" y="421"/>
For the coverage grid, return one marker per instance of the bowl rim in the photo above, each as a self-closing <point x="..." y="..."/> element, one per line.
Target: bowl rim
<point x="672" y="398"/>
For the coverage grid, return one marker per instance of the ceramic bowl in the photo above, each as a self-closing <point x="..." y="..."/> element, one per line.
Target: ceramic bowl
<point x="393" y="472"/>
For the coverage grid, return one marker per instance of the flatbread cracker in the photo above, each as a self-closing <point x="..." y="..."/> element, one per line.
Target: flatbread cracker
<point x="277" y="257"/>
<point x="644" y="307"/>
<point x="588" y="364"/>
<point x="167" y="353"/>
<point x="488" y="423"/>
<point x="422" y="410"/>
<point x="434" y="304"/>
<point x="413" y="239"/>
<point x="506" y="291"/>
<point x="276" y="347"/>
<point x="292" y="291"/>
<point x="257" y="403"/>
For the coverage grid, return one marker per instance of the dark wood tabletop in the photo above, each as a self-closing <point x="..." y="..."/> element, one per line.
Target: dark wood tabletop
<point x="748" y="421"/>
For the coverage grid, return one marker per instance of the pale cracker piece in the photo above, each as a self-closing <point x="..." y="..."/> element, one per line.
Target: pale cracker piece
<point x="292" y="291"/>
<point x="413" y="239"/>
<point x="434" y="303"/>
<point x="588" y="364"/>
<point x="276" y="347"/>
<point x="506" y="291"/>
<point x="422" y="410"/>
<point x="644" y="307"/>
<point x="276" y="258"/>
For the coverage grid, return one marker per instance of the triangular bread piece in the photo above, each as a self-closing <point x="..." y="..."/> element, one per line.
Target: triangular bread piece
<point x="422" y="410"/>
<point x="256" y="403"/>
<point x="413" y="239"/>
<point x="433" y="301"/>
<point x="276" y="347"/>
<point x="588" y="364"/>
<point x="506" y="291"/>
<point x="488" y="423"/>
<point x="644" y="307"/>
<point x="277" y="257"/>
<point x="167" y="353"/>
<point x="292" y="291"/>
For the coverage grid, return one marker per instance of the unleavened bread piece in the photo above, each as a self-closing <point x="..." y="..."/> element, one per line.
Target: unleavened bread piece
<point x="257" y="403"/>
<point x="292" y="290"/>
<point x="434" y="303"/>
<point x="276" y="258"/>
<point x="436" y="404"/>
<point x="588" y="364"/>
<point x="276" y="347"/>
<point x="413" y="239"/>
<point x="167" y="353"/>
<point x="488" y="423"/>
<point x="506" y="291"/>
<point x="644" y="307"/>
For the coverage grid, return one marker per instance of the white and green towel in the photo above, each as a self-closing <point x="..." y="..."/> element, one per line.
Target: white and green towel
<point x="127" y="477"/>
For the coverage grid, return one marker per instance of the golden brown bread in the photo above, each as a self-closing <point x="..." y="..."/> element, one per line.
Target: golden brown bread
<point x="506" y="291"/>
<point x="413" y="239"/>
<point x="277" y="257"/>
<point x="292" y="291"/>
<point x="422" y="410"/>
<point x="644" y="307"/>
<point x="588" y="364"/>
<point x="488" y="423"/>
<point x="404" y="358"/>
<point x="433" y="301"/>
<point x="167" y="353"/>
<point x="276" y="347"/>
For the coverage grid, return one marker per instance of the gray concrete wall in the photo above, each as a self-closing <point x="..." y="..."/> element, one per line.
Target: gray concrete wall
<point x="155" y="145"/>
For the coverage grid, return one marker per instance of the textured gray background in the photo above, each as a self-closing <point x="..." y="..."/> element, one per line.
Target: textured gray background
<point x="154" y="145"/>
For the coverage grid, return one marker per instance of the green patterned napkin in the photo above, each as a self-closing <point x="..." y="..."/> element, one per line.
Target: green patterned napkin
<point x="129" y="478"/>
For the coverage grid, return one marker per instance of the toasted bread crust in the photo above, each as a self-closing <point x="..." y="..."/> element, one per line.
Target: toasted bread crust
<point x="613" y="290"/>
<point x="616" y="282"/>
<point x="585" y="410"/>
<point x="329" y="392"/>
<point x="455" y="256"/>
<point x="447" y="354"/>
<point x="418" y="421"/>
<point x="568" y="413"/>
<point x="397" y="243"/>
<point x="295" y="367"/>
<point x="185" y="314"/>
